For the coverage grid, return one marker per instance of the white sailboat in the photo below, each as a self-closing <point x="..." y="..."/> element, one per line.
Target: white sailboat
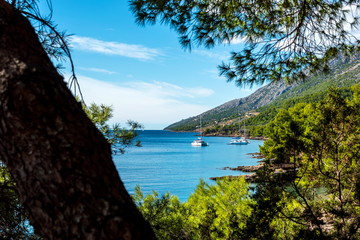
<point x="240" y="140"/>
<point x="199" y="142"/>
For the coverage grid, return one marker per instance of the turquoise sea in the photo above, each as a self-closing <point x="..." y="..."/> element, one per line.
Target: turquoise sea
<point x="167" y="162"/>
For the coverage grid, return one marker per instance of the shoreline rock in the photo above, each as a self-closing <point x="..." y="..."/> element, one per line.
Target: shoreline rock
<point x="278" y="168"/>
<point x="248" y="169"/>
<point x="245" y="168"/>
<point x="248" y="177"/>
<point x="256" y="155"/>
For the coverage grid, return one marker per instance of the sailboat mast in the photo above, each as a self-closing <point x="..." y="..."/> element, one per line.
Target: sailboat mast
<point x="244" y="129"/>
<point x="200" y="126"/>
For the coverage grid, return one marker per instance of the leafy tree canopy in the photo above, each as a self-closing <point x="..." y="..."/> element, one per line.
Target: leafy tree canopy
<point x="14" y="223"/>
<point x="321" y="142"/>
<point x="119" y="137"/>
<point x="283" y="39"/>
<point x="218" y="211"/>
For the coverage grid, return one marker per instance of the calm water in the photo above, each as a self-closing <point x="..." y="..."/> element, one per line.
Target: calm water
<point x="168" y="163"/>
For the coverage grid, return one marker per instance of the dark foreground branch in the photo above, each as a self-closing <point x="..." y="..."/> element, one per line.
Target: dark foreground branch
<point x="61" y="163"/>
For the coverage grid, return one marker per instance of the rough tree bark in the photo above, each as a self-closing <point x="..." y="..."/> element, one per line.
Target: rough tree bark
<point x="61" y="163"/>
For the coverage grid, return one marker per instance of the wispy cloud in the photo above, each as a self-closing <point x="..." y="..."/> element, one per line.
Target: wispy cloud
<point x="152" y="104"/>
<point x="212" y="54"/>
<point x="165" y="89"/>
<point x="214" y="73"/>
<point x="114" y="48"/>
<point x="237" y="40"/>
<point x="99" y="70"/>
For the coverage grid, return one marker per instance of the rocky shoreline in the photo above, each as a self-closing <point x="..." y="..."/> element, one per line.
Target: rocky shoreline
<point x="248" y="169"/>
<point x="252" y="176"/>
<point x="245" y="168"/>
<point x="248" y="177"/>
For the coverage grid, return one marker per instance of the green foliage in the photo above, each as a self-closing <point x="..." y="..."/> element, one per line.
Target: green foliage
<point x="215" y="211"/>
<point x="166" y="214"/>
<point x="287" y="133"/>
<point x="117" y="136"/>
<point x="219" y="211"/>
<point x="223" y="130"/>
<point x="266" y="197"/>
<point x="13" y="219"/>
<point x="283" y="39"/>
<point x="322" y="141"/>
<point x="256" y="131"/>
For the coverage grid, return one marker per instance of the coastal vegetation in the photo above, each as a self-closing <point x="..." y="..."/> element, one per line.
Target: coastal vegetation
<point x="63" y="166"/>
<point x="212" y="212"/>
<point x="321" y="141"/>
<point x="14" y="223"/>
<point x="307" y="187"/>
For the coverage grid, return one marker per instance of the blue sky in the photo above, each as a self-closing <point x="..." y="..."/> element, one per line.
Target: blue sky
<point x="141" y="71"/>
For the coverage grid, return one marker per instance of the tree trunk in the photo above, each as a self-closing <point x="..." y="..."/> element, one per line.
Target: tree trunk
<point x="61" y="163"/>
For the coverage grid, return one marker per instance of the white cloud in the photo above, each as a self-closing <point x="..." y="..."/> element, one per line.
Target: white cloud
<point x="212" y="54"/>
<point x="114" y="48"/>
<point x="152" y="104"/>
<point x="237" y="40"/>
<point x="98" y="70"/>
<point x="129" y="76"/>
<point x="201" y="92"/>
<point x="214" y="73"/>
<point x="165" y="89"/>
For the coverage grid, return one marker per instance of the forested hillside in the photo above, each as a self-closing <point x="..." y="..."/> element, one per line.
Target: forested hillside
<point x="261" y="106"/>
<point x="233" y="108"/>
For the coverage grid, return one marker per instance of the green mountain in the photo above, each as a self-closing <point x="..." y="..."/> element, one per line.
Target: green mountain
<point x="259" y="107"/>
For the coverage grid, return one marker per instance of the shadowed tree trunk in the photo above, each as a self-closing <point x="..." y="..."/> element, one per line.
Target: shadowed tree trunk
<point x="61" y="163"/>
